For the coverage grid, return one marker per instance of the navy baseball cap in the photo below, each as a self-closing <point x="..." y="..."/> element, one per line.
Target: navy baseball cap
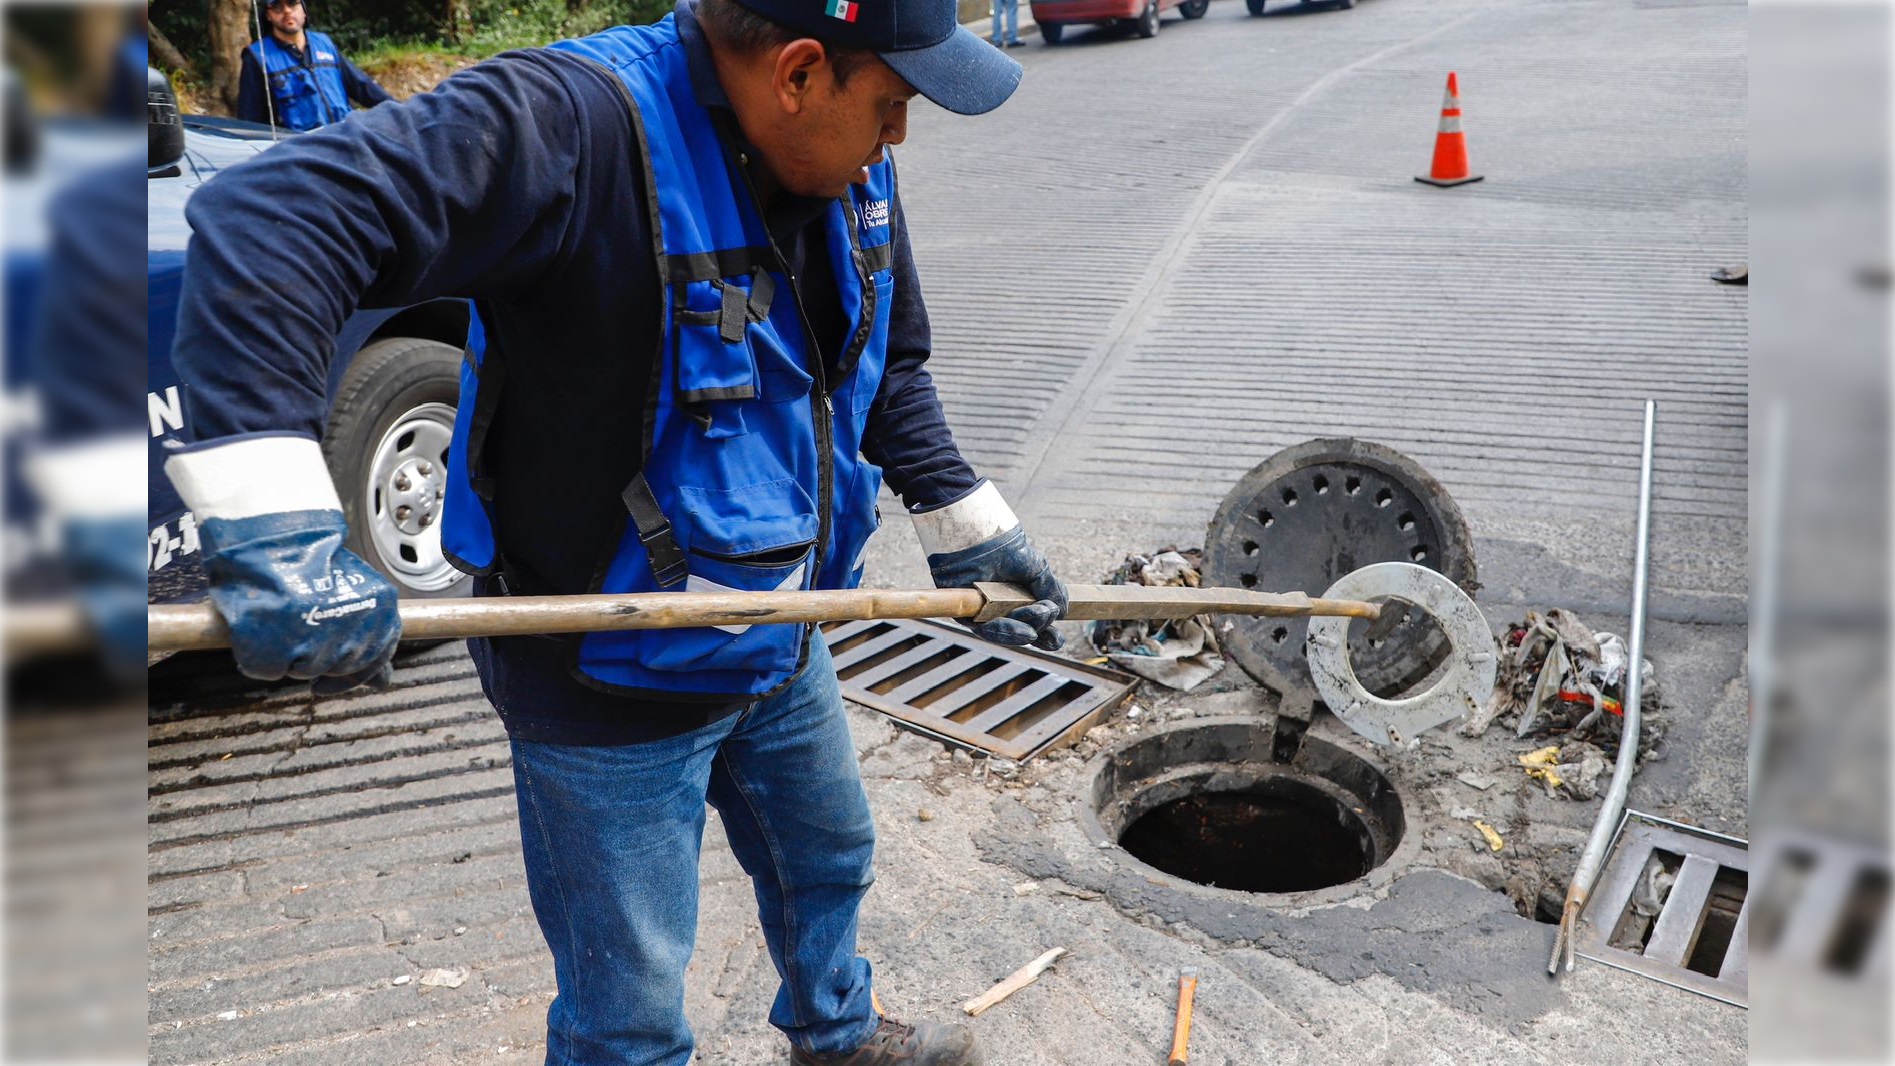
<point x="921" y="40"/>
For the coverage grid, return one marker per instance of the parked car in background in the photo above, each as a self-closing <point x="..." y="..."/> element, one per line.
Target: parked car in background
<point x="393" y="386"/>
<point x="1136" y="16"/>
<point x="1256" y="6"/>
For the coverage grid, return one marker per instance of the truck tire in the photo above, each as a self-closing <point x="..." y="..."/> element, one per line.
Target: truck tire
<point x="387" y="450"/>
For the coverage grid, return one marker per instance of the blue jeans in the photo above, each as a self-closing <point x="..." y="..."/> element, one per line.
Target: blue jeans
<point x="1010" y="8"/>
<point x="611" y="837"/>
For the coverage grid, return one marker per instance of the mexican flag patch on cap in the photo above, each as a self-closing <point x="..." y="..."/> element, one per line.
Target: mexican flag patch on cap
<point x="843" y="9"/>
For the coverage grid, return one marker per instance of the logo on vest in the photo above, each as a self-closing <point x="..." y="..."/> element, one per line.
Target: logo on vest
<point x="874" y="213"/>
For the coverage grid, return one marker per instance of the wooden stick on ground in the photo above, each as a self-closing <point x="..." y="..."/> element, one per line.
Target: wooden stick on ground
<point x="1015" y="981"/>
<point x="1181" y="1029"/>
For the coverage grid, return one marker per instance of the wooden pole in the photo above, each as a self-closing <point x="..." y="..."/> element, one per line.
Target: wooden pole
<point x="198" y="627"/>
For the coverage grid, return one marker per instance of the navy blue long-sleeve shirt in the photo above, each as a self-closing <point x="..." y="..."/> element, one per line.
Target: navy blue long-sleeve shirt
<point x="253" y="91"/>
<point x="516" y="183"/>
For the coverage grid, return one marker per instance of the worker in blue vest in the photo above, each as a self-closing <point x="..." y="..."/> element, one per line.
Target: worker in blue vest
<point x="701" y="353"/>
<point x="298" y="78"/>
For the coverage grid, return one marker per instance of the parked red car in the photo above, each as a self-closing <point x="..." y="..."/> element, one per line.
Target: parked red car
<point x="1138" y="16"/>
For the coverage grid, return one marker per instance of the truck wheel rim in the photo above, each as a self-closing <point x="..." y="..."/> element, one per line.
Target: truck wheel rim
<point x="406" y="485"/>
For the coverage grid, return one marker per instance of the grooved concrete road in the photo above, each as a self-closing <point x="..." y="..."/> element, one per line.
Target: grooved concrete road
<point x="1162" y="262"/>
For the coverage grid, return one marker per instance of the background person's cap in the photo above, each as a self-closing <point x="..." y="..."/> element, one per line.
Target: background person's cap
<point x="921" y="40"/>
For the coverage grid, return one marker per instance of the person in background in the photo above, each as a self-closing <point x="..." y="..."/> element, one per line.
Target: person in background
<point x="298" y="78"/>
<point x="1011" y="10"/>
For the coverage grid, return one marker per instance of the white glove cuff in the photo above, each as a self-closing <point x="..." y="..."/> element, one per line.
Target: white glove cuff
<point x="979" y="516"/>
<point x="252" y="476"/>
<point x="97" y="479"/>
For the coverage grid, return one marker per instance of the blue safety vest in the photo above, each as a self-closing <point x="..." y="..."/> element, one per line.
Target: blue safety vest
<point x="753" y="473"/>
<point x="305" y="91"/>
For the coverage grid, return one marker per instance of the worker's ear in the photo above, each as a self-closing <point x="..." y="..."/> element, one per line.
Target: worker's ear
<point x="800" y="64"/>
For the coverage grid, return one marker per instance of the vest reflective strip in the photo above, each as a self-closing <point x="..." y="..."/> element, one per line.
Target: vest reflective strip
<point x="878" y="257"/>
<point x="699" y="583"/>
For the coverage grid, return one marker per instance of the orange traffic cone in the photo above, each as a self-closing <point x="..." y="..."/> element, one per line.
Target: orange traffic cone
<point x="1450" y="145"/>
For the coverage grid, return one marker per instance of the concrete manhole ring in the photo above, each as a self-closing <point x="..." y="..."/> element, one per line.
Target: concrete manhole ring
<point x="1202" y="807"/>
<point x="1463" y="687"/>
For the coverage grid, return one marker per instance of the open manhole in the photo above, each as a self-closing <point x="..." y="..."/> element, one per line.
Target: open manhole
<point x="1207" y="803"/>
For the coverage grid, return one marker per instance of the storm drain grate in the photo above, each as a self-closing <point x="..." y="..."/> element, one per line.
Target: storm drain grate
<point x="1824" y="904"/>
<point x="1673" y="904"/>
<point x="948" y="683"/>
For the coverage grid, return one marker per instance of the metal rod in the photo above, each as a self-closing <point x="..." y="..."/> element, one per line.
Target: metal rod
<point x="1763" y="602"/>
<point x="1599" y="843"/>
<point x="198" y="627"/>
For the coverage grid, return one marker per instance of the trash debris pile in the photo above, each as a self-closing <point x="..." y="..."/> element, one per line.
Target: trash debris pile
<point x="1571" y="769"/>
<point x="1177" y="653"/>
<point x="1562" y="682"/>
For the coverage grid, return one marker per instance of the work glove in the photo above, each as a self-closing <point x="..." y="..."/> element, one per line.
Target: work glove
<point x="93" y="490"/>
<point x="977" y="538"/>
<point x="270" y="527"/>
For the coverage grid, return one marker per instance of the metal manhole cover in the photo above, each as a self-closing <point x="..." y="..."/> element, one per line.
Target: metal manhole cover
<point x="944" y="681"/>
<point x="1309" y="515"/>
<point x="1674" y="904"/>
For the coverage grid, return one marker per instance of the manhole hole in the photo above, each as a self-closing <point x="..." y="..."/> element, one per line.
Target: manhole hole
<point x="1207" y="803"/>
<point x="1281" y="835"/>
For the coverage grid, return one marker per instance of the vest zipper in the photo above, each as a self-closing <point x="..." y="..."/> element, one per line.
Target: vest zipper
<point x="825" y="418"/>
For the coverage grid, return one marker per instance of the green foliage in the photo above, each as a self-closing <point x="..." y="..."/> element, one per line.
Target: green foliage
<point x="498" y="25"/>
<point x="379" y="28"/>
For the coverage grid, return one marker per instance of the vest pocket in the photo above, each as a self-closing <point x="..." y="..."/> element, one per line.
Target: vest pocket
<point x="716" y="368"/>
<point x="757" y="538"/>
<point x="739" y="647"/>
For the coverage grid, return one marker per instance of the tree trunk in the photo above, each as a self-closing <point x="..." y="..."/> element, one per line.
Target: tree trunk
<point x="456" y="18"/>
<point x="169" y="58"/>
<point x="229" y="25"/>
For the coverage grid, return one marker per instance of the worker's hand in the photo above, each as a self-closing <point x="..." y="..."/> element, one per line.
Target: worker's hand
<point x="298" y="603"/>
<point x="977" y="538"/>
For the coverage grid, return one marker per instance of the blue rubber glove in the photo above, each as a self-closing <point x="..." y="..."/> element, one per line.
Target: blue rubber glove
<point x="298" y="603"/>
<point x="977" y="538"/>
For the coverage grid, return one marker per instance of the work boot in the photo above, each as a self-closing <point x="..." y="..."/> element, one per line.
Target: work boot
<point x="895" y="1044"/>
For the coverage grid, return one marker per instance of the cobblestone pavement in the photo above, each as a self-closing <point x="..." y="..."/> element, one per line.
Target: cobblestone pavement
<point x="1163" y="261"/>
